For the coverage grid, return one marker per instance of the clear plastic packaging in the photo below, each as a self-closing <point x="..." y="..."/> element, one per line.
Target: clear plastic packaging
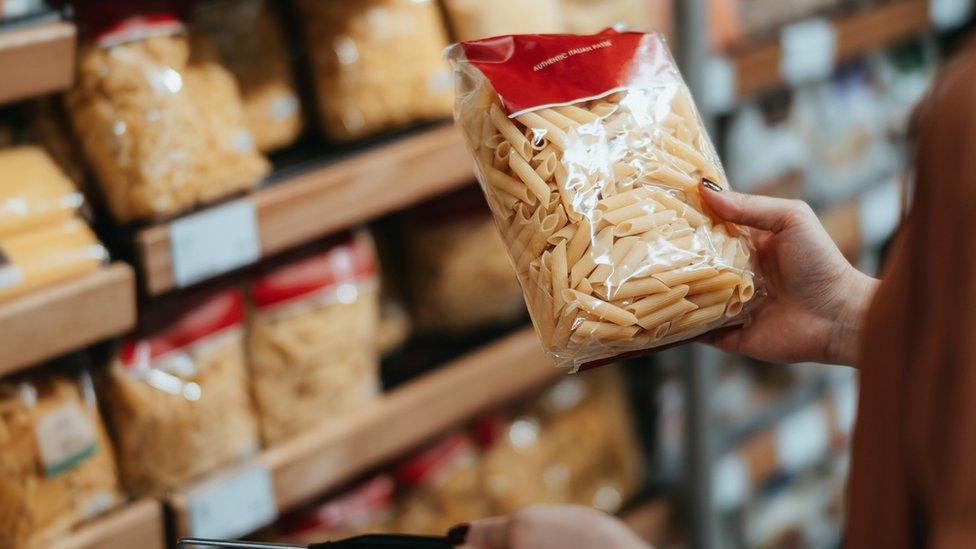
<point x="161" y="134"/>
<point x="177" y="396"/>
<point x="246" y="38"/>
<point x="460" y="277"/>
<point x="441" y="487"/>
<point x="312" y="338"/>
<point x="48" y="255"/>
<point x="473" y="19"/>
<point x="376" y="63"/>
<point x="33" y="191"/>
<point x="590" y="151"/>
<point x="57" y="468"/>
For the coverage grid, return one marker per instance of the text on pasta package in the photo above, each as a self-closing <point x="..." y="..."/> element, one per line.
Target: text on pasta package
<point x="566" y="55"/>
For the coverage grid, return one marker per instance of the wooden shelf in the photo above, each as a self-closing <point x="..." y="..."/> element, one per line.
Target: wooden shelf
<point x="139" y="524"/>
<point x="320" y="461"/>
<point x="316" y="203"/>
<point x="70" y="315"/>
<point x="758" y="66"/>
<point x="36" y="60"/>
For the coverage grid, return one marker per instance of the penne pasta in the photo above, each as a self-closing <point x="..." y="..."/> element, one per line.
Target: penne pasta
<point x="643" y="224"/>
<point x="698" y="318"/>
<point x="720" y="282"/>
<point x="667" y="314"/>
<point x="531" y="179"/>
<point x="581" y="116"/>
<point x="510" y="132"/>
<point x="686" y="275"/>
<point x="560" y="120"/>
<point x="589" y="330"/>
<point x="635" y="288"/>
<point x="600" y="309"/>
<point x="656" y="302"/>
<point x="546" y="129"/>
<point x="620" y="215"/>
<point x="712" y="298"/>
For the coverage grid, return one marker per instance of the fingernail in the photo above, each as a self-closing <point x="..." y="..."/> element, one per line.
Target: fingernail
<point x="709" y="184"/>
<point x="459" y="534"/>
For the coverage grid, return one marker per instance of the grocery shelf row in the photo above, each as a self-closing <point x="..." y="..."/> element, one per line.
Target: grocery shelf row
<point x="65" y="317"/>
<point x="41" y="56"/>
<point x="139" y="524"/>
<point x="240" y="500"/>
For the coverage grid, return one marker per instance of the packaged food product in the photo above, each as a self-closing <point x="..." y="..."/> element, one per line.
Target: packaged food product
<point x="441" y="487"/>
<point x="376" y="63"/>
<point x="574" y="443"/>
<point x="177" y="395"/>
<point x="394" y="328"/>
<point x="245" y="37"/>
<point x="589" y="16"/>
<point x="367" y="508"/>
<point x="47" y="255"/>
<point x="57" y="468"/>
<point x="593" y="181"/>
<point x="161" y="135"/>
<point x="33" y="191"/>
<point x="473" y="19"/>
<point x="312" y="338"/>
<point x="460" y="277"/>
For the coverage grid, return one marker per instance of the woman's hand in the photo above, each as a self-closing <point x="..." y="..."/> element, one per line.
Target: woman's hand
<point x="816" y="300"/>
<point x="548" y="527"/>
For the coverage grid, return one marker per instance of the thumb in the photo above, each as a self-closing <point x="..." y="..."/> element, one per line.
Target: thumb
<point x="759" y="212"/>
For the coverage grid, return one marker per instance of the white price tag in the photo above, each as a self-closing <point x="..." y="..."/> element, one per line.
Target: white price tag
<point x="214" y="242"/>
<point x="809" y="49"/>
<point x="949" y="14"/>
<point x="721" y="83"/>
<point x="802" y="439"/>
<point x="235" y="506"/>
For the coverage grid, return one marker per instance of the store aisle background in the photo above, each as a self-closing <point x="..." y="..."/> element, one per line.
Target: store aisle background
<point x="249" y="287"/>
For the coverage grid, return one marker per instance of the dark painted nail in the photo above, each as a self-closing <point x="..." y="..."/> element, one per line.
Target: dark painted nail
<point x="708" y="183"/>
<point x="459" y="534"/>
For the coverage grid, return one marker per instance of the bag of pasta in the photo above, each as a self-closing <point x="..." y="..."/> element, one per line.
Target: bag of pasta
<point x="177" y="395"/>
<point x="161" y="133"/>
<point x="377" y="64"/>
<point x="57" y="468"/>
<point x="590" y="152"/>
<point x="312" y="338"/>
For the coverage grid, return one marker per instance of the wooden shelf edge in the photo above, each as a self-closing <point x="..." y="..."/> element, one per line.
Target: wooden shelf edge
<point x="314" y="204"/>
<point x="41" y="56"/>
<point x="857" y="34"/>
<point x="138" y="524"/>
<point x="318" y="462"/>
<point x="67" y="316"/>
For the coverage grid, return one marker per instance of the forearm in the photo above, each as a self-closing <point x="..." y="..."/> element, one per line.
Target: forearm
<point x="846" y="333"/>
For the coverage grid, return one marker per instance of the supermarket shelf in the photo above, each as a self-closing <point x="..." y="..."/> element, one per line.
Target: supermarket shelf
<point x="55" y="320"/>
<point x="320" y="201"/>
<point x="758" y="66"/>
<point x="36" y="60"/>
<point x="311" y="465"/>
<point x="139" y="524"/>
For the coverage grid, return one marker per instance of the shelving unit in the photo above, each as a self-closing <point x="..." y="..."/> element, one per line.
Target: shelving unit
<point x="42" y="57"/>
<point x="67" y="316"/>
<point x="757" y="66"/>
<point x="300" y="208"/>
<point x="139" y="524"/>
<point x="322" y="460"/>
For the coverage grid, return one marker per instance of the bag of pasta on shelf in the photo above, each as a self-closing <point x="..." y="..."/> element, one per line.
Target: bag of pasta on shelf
<point x="376" y="64"/>
<point x="460" y="278"/>
<point x="312" y="337"/>
<point x="57" y="468"/>
<point x="177" y="395"/>
<point x="590" y="152"/>
<point x="161" y="134"/>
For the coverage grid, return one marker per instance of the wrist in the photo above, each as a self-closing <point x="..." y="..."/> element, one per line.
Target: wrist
<point x="857" y="291"/>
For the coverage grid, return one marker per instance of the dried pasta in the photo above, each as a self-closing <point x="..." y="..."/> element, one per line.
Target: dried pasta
<point x="614" y="248"/>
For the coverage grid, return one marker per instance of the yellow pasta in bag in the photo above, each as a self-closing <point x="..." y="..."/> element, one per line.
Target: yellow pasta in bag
<point x="590" y="152"/>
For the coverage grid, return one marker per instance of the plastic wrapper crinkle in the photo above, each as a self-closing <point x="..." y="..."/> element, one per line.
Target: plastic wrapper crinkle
<point x="312" y="338"/>
<point x="460" y="276"/>
<point x="161" y="134"/>
<point x="177" y="395"/>
<point x="245" y="36"/>
<point x="376" y="64"/>
<point x="590" y="152"/>
<point x="57" y="468"/>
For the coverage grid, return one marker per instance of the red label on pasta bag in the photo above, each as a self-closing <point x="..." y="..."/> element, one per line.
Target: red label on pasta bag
<point x="211" y="316"/>
<point x="536" y="70"/>
<point x="371" y="499"/>
<point x="112" y="22"/>
<point x="349" y="262"/>
<point x="435" y="459"/>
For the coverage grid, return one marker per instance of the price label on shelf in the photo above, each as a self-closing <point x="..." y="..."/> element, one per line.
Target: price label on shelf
<point x="214" y="242"/>
<point x="721" y="84"/>
<point x="809" y="49"/>
<point x="950" y="14"/>
<point x="235" y="506"/>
